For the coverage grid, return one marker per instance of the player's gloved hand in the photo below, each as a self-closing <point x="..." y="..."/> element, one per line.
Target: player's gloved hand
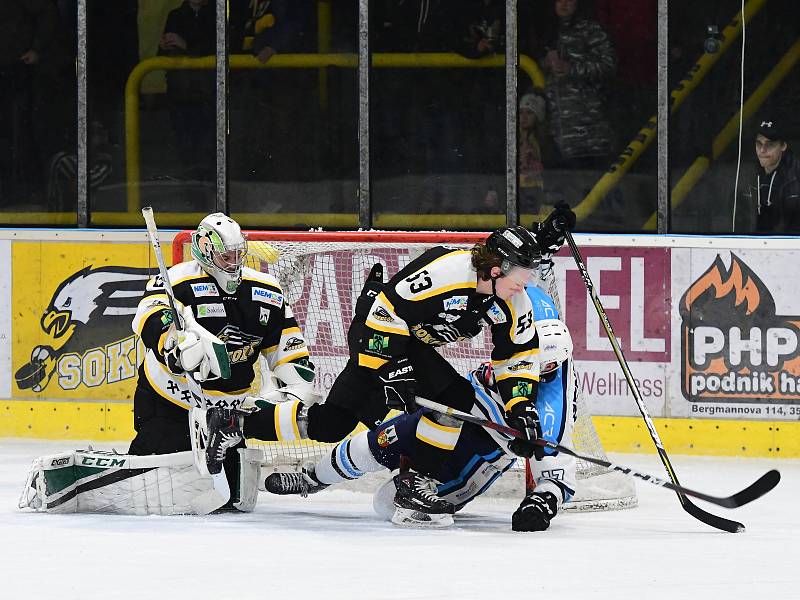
<point x="535" y="512"/>
<point x="196" y="351"/>
<point x="525" y="418"/>
<point x="397" y="378"/>
<point x="293" y="381"/>
<point x="372" y="287"/>
<point x="551" y="232"/>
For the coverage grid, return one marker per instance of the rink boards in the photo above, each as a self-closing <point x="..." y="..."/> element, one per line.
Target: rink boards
<point x="710" y="328"/>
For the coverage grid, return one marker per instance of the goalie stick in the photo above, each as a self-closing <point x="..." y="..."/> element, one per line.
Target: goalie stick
<point x="752" y="492"/>
<point x="697" y="512"/>
<point x="221" y="492"/>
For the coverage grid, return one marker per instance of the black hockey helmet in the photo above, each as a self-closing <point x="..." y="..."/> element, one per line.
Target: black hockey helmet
<point x="516" y="246"/>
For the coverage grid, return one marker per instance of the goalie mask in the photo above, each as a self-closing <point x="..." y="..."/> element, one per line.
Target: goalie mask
<point x="220" y="248"/>
<point x="555" y="344"/>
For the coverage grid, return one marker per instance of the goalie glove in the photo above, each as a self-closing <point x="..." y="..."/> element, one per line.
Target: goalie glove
<point x="550" y="234"/>
<point x="291" y="381"/>
<point x="196" y="351"/>
<point x="397" y="378"/>
<point x="525" y="418"/>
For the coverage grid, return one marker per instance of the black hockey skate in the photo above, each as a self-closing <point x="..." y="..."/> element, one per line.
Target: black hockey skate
<point x="418" y="493"/>
<point x="224" y="433"/>
<point x="304" y="482"/>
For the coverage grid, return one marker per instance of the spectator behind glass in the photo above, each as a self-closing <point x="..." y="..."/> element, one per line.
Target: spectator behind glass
<point x="531" y="134"/>
<point x="579" y="61"/>
<point x="481" y="24"/>
<point x="190" y="30"/>
<point x="282" y="26"/>
<point x="773" y="195"/>
<point x="26" y="30"/>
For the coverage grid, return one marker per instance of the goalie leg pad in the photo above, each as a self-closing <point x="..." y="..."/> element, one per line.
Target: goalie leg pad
<point x="246" y="493"/>
<point x="87" y="481"/>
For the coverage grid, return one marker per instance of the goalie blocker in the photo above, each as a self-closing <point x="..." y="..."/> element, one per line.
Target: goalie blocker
<point x="90" y="481"/>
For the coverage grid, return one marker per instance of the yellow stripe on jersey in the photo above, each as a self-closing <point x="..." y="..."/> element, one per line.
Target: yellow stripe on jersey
<point x="396" y="325"/>
<point x="445" y="288"/>
<point x="449" y="271"/>
<point x="371" y="362"/>
<point x="286" y="429"/>
<point x="518" y="375"/>
<point x="265" y="282"/>
<point x="303" y="353"/>
<point x="433" y="433"/>
<point x="515" y="401"/>
<point x="161" y="341"/>
<point x="202" y="275"/>
<point x="139" y="322"/>
<point x="378" y="326"/>
<point x="525" y="354"/>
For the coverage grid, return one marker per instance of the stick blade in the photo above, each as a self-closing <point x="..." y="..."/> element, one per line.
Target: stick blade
<point x="710" y="519"/>
<point x="758" y="488"/>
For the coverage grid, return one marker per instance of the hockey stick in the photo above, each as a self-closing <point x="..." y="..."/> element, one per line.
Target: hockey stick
<point x="695" y="511"/>
<point x="221" y="492"/>
<point x="755" y="490"/>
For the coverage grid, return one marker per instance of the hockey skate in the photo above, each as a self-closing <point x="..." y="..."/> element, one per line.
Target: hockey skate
<point x="417" y="504"/>
<point x="224" y="432"/>
<point x="303" y="482"/>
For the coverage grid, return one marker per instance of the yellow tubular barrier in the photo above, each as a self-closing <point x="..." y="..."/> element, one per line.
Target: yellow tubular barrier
<point x="279" y="61"/>
<point x="648" y="133"/>
<point x="731" y="130"/>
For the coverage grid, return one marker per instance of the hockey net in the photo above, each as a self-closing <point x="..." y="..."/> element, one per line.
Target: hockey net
<point x="322" y="274"/>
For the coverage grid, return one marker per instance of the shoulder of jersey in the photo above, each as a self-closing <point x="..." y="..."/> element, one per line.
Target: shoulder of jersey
<point x="520" y="310"/>
<point x="450" y="271"/>
<point x="186" y="271"/>
<point x="259" y="277"/>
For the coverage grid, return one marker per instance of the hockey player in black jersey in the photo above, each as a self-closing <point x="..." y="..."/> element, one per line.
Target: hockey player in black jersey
<point x="428" y="497"/>
<point x="231" y="315"/>
<point x="444" y="296"/>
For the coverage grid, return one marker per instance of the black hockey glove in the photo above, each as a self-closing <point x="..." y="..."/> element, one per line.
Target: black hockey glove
<point x="525" y="418"/>
<point x="372" y="287"/>
<point x="535" y="512"/>
<point x="397" y="378"/>
<point x="551" y="232"/>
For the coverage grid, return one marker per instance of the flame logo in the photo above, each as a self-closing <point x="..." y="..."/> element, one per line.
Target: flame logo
<point x="724" y="295"/>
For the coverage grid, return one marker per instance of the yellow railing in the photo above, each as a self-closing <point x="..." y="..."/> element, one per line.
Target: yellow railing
<point x="731" y="130"/>
<point x="284" y="61"/>
<point x="647" y="134"/>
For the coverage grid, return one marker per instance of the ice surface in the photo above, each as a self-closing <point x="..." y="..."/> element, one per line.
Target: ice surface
<point x="332" y="545"/>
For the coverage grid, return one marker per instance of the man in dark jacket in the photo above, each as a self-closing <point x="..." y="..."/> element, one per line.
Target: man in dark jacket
<point x="775" y="194"/>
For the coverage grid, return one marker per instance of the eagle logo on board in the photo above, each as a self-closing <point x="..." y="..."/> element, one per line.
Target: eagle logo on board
<point x="90" y="309"/>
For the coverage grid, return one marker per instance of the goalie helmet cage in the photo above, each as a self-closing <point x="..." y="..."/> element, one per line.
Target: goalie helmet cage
<point x="322" y="273"/>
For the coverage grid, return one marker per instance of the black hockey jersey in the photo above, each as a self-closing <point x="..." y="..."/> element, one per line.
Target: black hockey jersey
<point x="255" y="320"/>
<point x="433" y="300"/>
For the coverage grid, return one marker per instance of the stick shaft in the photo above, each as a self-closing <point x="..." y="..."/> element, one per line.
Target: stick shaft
<point x="696" y="512"/>
<point x="756" y="490"/>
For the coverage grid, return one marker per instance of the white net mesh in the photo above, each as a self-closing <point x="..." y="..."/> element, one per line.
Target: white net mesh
<point x="322" y="278"/>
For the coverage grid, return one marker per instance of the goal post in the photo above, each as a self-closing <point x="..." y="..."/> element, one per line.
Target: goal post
<point x="322" y="274"/>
